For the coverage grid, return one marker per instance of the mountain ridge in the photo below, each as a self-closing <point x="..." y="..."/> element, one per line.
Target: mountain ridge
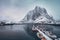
<point x="38" y="13"/>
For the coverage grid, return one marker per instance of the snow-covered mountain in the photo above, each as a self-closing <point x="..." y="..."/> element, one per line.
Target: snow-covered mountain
<point x="38" y="15"/>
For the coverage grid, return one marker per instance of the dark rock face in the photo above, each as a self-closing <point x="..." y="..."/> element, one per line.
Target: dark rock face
<point x="35" y="13"/>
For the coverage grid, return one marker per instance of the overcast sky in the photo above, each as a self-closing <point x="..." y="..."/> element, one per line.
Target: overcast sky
<point x="17" y="9"/>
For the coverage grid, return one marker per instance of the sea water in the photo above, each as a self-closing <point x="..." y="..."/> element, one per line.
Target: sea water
<point x="22" y="32"/>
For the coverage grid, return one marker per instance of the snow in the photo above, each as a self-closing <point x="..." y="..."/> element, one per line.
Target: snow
<point x="38" y="15"/>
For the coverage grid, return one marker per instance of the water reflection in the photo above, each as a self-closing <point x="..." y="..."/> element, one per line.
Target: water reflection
<point x="24" y="32"/>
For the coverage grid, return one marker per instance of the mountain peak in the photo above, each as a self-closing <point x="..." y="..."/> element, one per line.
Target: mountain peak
<point x="40" y="10"/>
<point x="39" y="14"/>
<point x="37" y="7"/>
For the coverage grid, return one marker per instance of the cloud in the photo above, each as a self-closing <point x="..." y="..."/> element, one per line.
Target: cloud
<point x="17" y="9"/>
<point x="14" y="13"/>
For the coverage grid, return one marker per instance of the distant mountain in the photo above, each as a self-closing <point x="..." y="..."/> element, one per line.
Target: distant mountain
<point x="38" y="15"/>
<point x="6" y="19"/>
<point x="57" y="21"/>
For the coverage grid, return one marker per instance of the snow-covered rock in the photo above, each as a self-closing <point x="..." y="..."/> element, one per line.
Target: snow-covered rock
<point x="38" y="15"/>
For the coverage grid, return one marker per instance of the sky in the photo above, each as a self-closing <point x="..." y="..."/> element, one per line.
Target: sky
<point x="17" y="9"/>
